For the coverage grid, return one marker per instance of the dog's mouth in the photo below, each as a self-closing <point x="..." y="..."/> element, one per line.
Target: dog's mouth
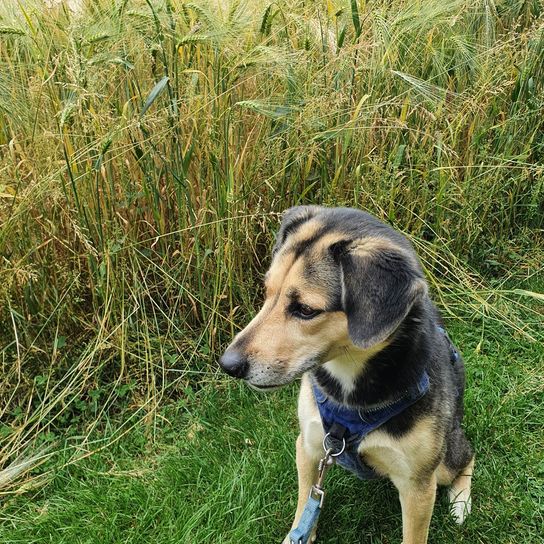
<point x="264" y="388"/>
<point x="287" y="379"/>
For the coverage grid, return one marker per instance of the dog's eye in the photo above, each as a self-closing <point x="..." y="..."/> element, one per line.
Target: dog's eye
<point x="304" y="312"/>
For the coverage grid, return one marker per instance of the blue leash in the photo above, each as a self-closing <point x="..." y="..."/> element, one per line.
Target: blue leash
<point x="302" y="533"/>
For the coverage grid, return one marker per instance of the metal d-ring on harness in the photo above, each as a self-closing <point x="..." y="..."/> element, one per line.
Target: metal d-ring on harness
<point x="301" y="534"/>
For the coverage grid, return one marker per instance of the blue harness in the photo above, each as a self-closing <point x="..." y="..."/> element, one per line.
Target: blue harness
<point x="351" y="425"/>
<point x="341" y="423"/>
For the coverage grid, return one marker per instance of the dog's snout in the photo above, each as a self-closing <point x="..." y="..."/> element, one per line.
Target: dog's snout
<point x="234" y="363"/>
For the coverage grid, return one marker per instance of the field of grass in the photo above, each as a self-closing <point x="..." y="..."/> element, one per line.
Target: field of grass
<point x="147" y="149"/>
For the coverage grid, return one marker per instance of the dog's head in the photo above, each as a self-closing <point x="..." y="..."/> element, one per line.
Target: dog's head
<point x="339" y="280"/>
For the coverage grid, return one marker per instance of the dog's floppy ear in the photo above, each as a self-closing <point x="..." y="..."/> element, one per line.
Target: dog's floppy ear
<point x="292" y="219"/>
<point x="380" y="283"/>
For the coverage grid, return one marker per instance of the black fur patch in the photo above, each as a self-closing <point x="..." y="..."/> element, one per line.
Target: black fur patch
<point x="396" y="367"/>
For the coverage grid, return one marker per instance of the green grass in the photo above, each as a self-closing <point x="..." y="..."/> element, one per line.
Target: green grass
<point x="219" y="467"/>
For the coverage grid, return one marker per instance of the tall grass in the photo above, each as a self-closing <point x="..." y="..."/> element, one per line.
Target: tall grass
<point x="148" y="147"/>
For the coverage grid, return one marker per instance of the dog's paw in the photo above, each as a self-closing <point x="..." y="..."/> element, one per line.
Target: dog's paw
<point x="460" y="505"/>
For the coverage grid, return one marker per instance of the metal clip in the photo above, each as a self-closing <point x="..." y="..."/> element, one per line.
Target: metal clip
<point x="330" y="451"/>
<point x="318" y="494"/>
<point x="324" y="464"/>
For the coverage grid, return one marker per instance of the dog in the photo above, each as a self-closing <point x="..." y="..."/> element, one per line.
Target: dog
<point x="347" y="309"/>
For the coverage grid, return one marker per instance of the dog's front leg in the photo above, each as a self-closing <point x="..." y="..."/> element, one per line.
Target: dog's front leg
<point x="307" y="466"/>
<point x="417" y="502"/>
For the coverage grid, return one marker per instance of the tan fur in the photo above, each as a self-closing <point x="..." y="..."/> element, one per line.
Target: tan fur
<point x="410" y="462"/>
<point x="283" y="261"/>
<point x="415" y="455"/>
<point x="305" y="231"/>
<point x="272" y="337"/>
<point x="372" y="245"/>
<point x="311" y="428"/>
<point x="417" y="503"/>
<point x="327" y="240"/>
<point x="272" y="340"/>
<point x="444" y="475"/>
<point x="306" y="469"/>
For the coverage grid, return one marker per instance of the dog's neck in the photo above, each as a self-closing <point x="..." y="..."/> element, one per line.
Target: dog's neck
<point x="358" y="378"/>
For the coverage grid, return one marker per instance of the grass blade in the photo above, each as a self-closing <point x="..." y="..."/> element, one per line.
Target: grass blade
<point x="154" y="94"/>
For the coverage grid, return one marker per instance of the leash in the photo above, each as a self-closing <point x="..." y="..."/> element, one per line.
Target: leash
<point x="301" y="534"/>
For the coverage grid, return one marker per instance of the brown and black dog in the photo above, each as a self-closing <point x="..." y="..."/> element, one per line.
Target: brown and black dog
<point x="347" y="309"/>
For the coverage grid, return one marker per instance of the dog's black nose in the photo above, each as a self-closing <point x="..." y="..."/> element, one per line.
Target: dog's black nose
<point x="234" y="363"/>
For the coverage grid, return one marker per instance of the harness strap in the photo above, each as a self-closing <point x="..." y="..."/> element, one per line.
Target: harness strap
<point x="360" y="421"/>
<point x="337" y="432"/>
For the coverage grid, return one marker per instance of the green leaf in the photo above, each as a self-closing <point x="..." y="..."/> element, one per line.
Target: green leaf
<point x="532" y="294"/>
<point x="154" y="94"/>
<point x="355" y="18"/>
<point x="275" y="111"/>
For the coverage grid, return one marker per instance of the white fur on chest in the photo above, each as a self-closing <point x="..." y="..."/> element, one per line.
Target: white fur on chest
<point x="347" y="364"/>
<point x="345" y="370"/>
